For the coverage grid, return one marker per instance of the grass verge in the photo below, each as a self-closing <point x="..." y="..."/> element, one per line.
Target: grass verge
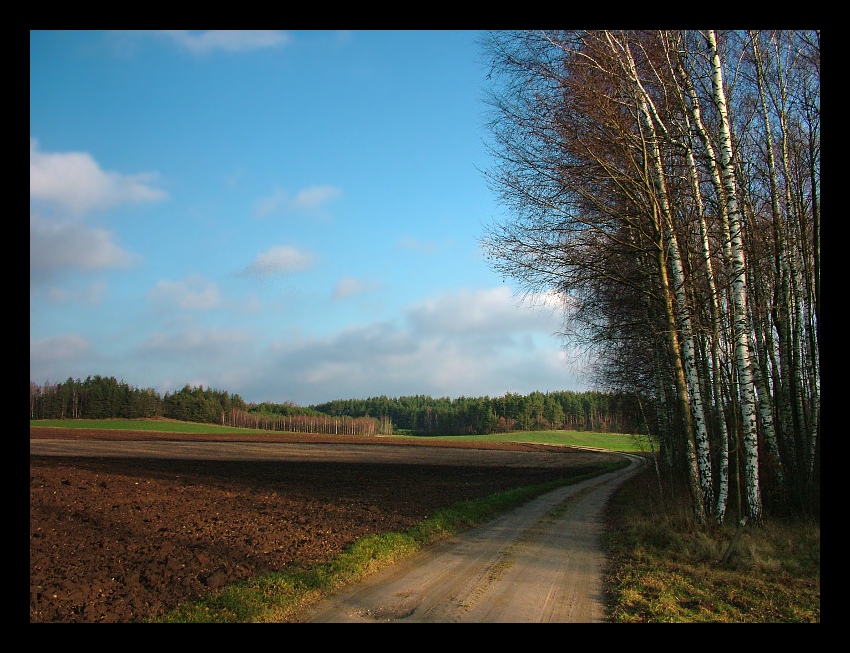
<point x="663" y="569"/>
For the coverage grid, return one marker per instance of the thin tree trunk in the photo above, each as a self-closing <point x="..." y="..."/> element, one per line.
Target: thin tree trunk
<point x="781" y="257"/>
<point x="739" y="294"/>
<point x="697" y="433"/>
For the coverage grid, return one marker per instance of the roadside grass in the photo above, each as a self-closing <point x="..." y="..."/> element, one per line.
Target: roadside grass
<point x="282" y="596"/>
<point x="661" y="568"/>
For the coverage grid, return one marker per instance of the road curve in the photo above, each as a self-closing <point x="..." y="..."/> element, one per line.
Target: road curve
<point x="541" y="562"/>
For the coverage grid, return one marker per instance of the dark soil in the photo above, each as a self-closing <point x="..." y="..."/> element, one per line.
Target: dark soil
<point x="123" y="539"/>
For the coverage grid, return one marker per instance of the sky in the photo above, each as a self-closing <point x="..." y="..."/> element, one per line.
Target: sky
<point x="287" y="216"/>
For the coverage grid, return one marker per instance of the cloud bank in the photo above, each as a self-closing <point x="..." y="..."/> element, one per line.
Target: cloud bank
<point x="470" y="343"/>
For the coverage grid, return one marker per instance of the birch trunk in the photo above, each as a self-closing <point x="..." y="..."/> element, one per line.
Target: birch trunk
<point x="799" y="372"/>
<point x="649" y="118"/>
<point x="714" y="344"/>
<point x="740" y="318"/>
<point x="685" y="360"/>
<point x="689" y="363"/>
<point x="690" y="102"/>
<point x="683" y="399"/>
<point x="781" y="257"/>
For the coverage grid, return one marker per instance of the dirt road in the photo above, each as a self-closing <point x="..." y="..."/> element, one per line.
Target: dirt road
<point x="538" y="563"/>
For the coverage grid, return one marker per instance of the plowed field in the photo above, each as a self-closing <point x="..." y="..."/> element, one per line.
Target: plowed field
<point x="117" y="539"/>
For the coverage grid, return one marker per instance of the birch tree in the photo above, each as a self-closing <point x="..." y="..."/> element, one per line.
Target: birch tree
<point x="634" y="188"/>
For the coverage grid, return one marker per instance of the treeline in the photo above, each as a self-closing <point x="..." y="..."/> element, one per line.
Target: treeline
<point x="97" y="397"/>
<point x="423" y="415"/>
<point x="100" y="397"/>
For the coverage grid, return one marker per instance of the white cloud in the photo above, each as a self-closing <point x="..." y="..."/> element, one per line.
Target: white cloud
<point x="57" y="246"/>
<point x="277" y="261"/>
<point x="492" y="348"/>
<point x="349" y="287"/>
<point x="227" y="40"/>
<point x="74" y="182"/>
<point x="497" y="348"/>
<point x="479" y="312"/>
<point x="311" y="198"/>
<point x="57" y="348"/>
<point x="91" y="295"/>
<point x="198" y="344"/>
<point x="307" y="199"/>
<point x="212" y="357"/>
<point x="271" y="203"/>
<point x="406" y="242"/>
<point x="192" y="293"/>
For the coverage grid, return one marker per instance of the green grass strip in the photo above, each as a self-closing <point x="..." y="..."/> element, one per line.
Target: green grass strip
<point x="605" y="441"/>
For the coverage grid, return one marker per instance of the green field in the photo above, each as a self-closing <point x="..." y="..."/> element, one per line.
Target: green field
<point x="158" y="425"/>
<point x="606" y="441"/>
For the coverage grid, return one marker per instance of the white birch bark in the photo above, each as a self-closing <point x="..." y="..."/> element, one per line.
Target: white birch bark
<point x="740" y="319"/>
<point x="691" y="373"/>
<point x="684" y="399"/>
<point x="691" y="105"/>
<point x="714" y="344"/>
<point x="765" y="405"/>
<point x="764" y="396"/>
<point x="649" y="116"/>
<point x="804" y="431"/>
<point x="798" y="372"/>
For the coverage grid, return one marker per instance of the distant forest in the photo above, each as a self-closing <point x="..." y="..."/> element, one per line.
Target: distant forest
<point x="99" y="397"/>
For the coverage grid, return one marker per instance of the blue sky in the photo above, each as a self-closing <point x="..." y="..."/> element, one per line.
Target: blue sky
<point x="290" y="216"/>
